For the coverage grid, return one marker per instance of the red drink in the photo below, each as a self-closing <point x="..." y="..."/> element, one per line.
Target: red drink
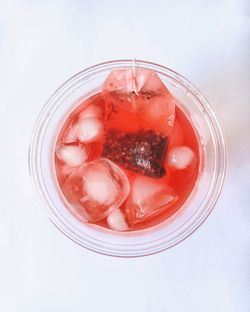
<point x="127" y="158"/>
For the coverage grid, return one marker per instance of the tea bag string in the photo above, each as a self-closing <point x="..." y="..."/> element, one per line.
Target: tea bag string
<point x="135" y="87"/>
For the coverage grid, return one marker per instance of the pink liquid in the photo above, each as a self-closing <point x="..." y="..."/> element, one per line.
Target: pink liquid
<point x="121" y="129"/>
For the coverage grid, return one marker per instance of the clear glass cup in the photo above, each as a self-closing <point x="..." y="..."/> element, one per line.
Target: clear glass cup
<point x="159" y="237"/>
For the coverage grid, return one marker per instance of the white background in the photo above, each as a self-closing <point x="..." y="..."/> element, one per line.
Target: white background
<point x="42" y="43"/>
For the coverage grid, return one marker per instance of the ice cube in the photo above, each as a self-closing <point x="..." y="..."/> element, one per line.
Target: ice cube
<point x="116" y="221"/>
<point x="70" y="135"/>
<point x="99" y="186"/>
<point x="96" y="189"/>
<point x="88" y="129"/>
<point x="91" y="111"/>
<point x="71" y="155"/>
<point x="180" y="157"/>
<point x="148" y="197"/>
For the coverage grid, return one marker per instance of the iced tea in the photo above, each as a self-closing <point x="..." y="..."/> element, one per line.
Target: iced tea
<point x="127" y="158"/>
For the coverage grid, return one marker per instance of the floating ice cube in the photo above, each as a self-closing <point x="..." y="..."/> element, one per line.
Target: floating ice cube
<point x="99" y="186"/>
<point x="116" y="221"/>
<point x="91" y="111"/>
<point x="96" y="189"/>
<point x="72" y="156"/>
<point x="70" y="135"/>
<point x="180" y="157"/>
<point x="148" y="197"/>
<point x="88" y="129"/>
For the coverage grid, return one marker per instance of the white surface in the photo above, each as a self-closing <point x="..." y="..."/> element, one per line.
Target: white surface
<point x="42" y="43"/>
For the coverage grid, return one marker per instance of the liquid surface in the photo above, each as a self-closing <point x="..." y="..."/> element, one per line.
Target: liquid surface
<point x="127" y="158"/>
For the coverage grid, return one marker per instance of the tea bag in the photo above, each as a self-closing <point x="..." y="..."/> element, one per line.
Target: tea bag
<point x="140" y="114"/>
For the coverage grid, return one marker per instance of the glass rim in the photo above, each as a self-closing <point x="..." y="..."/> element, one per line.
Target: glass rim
<point x="214" y="190"/>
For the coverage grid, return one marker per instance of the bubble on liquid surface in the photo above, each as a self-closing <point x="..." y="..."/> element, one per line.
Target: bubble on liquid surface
<point x="180" y="157"/>
<point x="116" y="221"/>
<point x="148" y="197"/>
<point x="72" y="156"/>
<point x="88" y="129"/>
<point x="96" y="189"/>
